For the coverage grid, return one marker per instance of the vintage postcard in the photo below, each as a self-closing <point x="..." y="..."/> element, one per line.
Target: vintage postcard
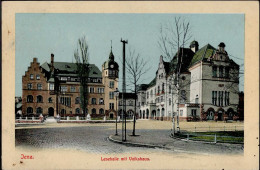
<point x="130" y="85"/>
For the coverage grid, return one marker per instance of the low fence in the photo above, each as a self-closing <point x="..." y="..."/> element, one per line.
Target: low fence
<point x="213" y="138"/>
<point x="29" y="120"/>
<point x="78" y="119"/>
<point x="214" y="128"/>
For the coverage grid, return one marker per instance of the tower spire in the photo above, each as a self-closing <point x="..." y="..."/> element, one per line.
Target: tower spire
<point x="111" y="45"/>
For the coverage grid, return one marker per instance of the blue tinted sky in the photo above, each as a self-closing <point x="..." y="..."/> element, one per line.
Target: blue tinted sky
<point x="39" y="35"/>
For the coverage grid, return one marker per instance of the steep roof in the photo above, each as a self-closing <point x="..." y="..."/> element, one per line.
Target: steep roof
<point x="110" y="61"/>
<point x="70" y="69"/>
<point x="202" y="54"/>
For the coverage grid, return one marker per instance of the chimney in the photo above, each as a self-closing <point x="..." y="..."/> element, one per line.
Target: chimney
<point x="52" y="62"/>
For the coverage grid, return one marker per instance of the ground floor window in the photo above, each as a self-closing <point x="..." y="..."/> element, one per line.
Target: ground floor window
<point x="77" y="111"/>
<point x="39" y="110"/>
<point x="101" y="111"/>
<point x="193" y="112"/>
<point x="181" y="112"/>
<point x="29" y="110"/>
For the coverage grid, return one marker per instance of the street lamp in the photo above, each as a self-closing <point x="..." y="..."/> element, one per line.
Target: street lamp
<point x="116" y="93"/>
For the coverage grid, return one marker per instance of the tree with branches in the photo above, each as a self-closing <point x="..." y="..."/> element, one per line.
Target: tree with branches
<point x="81" y="55"/>
<point x="136" y="67"/>
<point x="172" y="40"/>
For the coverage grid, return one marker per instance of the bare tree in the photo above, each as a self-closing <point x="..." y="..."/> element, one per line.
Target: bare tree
<point x="136" y="68"/>
<point x="173" y="38"/>
<point x="81" y="55"/>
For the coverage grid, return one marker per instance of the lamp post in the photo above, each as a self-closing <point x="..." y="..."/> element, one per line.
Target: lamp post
<point x="116" y="92"/>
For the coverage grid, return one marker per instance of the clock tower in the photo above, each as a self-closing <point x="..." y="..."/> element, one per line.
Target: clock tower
<point x="110" y="75"/>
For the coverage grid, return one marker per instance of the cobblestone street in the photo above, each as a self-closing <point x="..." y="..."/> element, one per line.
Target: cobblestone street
<point x="86" y="138"/>
<point x="94" y="138"/>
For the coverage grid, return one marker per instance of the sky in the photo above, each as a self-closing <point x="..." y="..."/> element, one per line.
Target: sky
<point x="40" y="34"/>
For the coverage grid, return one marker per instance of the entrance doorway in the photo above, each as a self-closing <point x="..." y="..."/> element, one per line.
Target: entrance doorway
<point x="111" y="115"/>
<point x="220" y="115"/>
<point x="51" y="111"/>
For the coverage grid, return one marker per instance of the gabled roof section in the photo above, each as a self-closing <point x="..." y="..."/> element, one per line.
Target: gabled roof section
<point x="70" y="69"/>
<point x="152" y="83"/>
<point x="203" y="54"/>
<point x="187" y="54"/>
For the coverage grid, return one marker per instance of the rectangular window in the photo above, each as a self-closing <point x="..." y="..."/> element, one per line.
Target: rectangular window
<point x="162" y="100"/>
<point x="65" y="101"/>
<point x="100" y="90"/>
<point x="29" y="86"/>
<point x="101" y="101"/>
<point x="63" y="88"/>
<point x="227" y="98"/>
<point x="72" y="89"/>
<point x="218" y="98"/>
<point x="39" y="86"/>
<point x="221" y="98"/>
<point x="213" y="97"/>
<point x="93" y="101"/>
<point x="111" y="95"/>
<point x="181" y="112"/>
<point x="170" y="101"/>
<point x="214" y="71"/>
<point x="37" y="77"/>
<point x="51" y="87"/>
<point x="227" y="72"/>
<point x="220" y="71"/>
<point x="193" y="112"/>
<point x="31" y="76"/>
<point x="111" y="84"/>
<point x="91" y="90"/>
<point x="111" y="106"/>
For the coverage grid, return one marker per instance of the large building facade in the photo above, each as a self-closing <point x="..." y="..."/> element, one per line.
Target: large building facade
<point x="208" y="87"/>
<point x="53" y="89"/>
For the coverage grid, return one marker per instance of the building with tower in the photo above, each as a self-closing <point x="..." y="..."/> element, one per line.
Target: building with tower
<point x="53" y="89"/>
<point x="208" y="87"/>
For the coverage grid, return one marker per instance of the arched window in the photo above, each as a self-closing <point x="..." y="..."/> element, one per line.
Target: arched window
<point x="50" y="99"/>
<point x="39" y="110"/>
<point x="29" y="99"/>
<point x="77" y="111"/>
<point x="63" y="111"/>
<point x="39" y="99"/>
<point x="77" y="100"/>
<point x="94" y="111"/>
<point x="93" y="101"/>
<point x="29" y="110"/>
<point x="101" y="111"/>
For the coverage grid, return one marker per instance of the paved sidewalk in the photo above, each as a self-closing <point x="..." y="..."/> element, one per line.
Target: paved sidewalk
<point x="161" y="139"/>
